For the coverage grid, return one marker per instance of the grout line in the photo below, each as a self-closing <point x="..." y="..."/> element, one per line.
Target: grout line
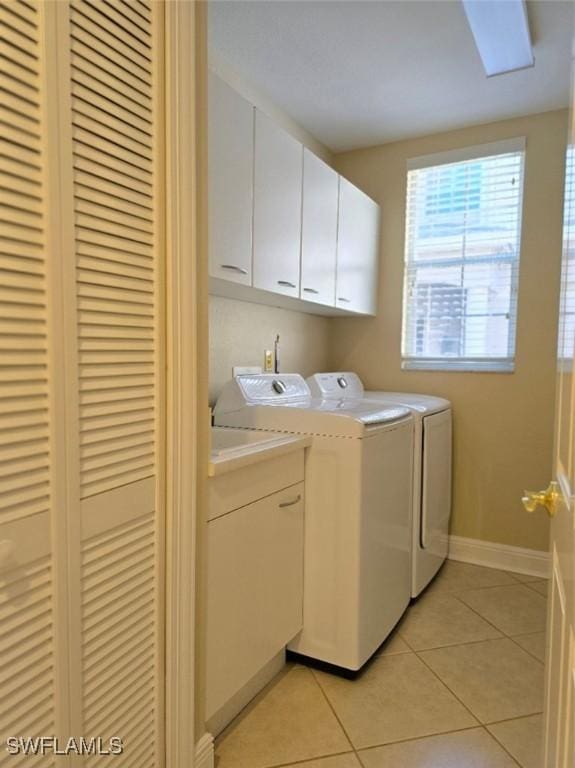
<point x="503" y="747"/>
<point x="528" y="579"/>
<point x="460" y="645"/>
<point x="510" y="637"/>
<point x="527" y="652"/>
<point x="421" y="738"/>
<point x="532" y="588"/>
<point x="494" y="586"/>
<point x="491" y="624"/>
<point x="484" y="726"/>
<point x="444" y="684"/>
<point x="404" y="638"/>
<point x="330" y="705"/>
<point x="504" y="635"/>
<point x="512" y="719"/>
<point x="237" y="720"/>
<point x="517" y="575"/>
<point x="310" y="759"/>
<point x="358" y="750"/>
<point x="477" y="589"/>
<point x="528" y="634"/>
<point x="501" y="631"/>
<point x="533" y="656"/>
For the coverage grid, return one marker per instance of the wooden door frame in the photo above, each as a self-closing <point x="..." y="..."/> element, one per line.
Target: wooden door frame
<point x="187" y="401"/>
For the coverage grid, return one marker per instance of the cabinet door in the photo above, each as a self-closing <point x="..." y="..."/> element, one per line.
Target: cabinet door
<point x="255" y="590"/>
<point x="357" y="250"/>
<point x="319" y="230"/>
<point x="230" y="182"/>
<point x="277" y="208"/>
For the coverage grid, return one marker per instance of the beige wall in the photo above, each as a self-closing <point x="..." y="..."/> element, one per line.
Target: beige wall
<point x="241" y="331"/>
<point x="503" y="423"/>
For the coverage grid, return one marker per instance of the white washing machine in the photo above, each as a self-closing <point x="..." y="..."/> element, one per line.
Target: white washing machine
<point x="431" y="466"/>
<point x="357" y="509"/>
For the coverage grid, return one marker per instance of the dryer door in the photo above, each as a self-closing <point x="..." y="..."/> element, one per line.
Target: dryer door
<point x="436" y="483"/>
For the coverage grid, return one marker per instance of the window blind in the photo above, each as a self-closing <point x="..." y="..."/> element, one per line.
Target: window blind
<point x="463" y="225"/>
<point x="566" y="338"/>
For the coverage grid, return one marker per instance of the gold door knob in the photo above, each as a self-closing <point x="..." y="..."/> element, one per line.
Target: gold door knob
<point x="548" y="499"/>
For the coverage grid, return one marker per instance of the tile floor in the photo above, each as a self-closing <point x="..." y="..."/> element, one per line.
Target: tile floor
<point x="459" y="684"/>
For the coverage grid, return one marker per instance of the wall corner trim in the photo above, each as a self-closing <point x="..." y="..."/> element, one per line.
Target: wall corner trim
<point x="205" y="752"/>
<point x="531" y="562"/>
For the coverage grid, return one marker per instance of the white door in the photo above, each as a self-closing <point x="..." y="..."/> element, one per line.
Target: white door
<point x="81" y="376"/>
<point x="357" y="250"/>
<point x="34" y="651"/>
<point x="559" y="731"/>
<point x="436" y="484"/>
<point x="319" y="230"/>
<point x="277" y="208"/>
<point x="231" y="182"/>
<point x="115" y="367"/>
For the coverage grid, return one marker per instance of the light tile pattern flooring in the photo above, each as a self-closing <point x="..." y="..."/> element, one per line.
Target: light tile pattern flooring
<point x="459" y="684"/>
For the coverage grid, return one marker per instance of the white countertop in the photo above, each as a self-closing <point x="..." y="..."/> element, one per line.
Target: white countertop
<point x="236" y="448"/>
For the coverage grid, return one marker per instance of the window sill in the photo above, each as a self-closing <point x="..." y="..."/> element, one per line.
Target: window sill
<point x="461" y="366"/>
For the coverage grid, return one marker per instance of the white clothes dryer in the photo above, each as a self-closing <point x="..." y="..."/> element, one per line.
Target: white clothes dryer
<point x="432" y="459"/>
<point x="357" y="510"/>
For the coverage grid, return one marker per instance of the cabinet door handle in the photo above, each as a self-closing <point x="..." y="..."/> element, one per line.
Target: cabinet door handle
<point x="310" y="290"/>
<point x="234" y="268"/>
<point x="286" y="283"/>
<point x="290" y="503"/>
<point x="342" y="298"/>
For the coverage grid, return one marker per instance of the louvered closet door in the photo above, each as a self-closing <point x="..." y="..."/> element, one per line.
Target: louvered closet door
<point x="116" y="48"/>
<point x="29" y="669"/>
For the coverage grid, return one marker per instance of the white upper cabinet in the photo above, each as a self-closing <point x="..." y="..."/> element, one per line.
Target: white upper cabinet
<point x="319" y="230"/>
<point x="357" y="250"/>
<point x="281" y="221"/>
<point x="230" y="173"/>
<point x="277" y="208"/>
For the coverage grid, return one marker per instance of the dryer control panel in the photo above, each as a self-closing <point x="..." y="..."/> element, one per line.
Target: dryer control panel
<point x="341" y="384"/>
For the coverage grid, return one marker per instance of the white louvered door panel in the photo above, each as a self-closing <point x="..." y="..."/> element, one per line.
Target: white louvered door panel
<point x="81" y="392"/>
<point x="115" y="50"/>
<point x="29" y="670"/>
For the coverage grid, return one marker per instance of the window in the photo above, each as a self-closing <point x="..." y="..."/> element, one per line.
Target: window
<point x="462" y="245"/>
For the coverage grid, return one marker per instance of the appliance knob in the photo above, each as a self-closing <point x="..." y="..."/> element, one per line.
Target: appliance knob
<point x="279" y="387"/>
<point x="342" y="382"/>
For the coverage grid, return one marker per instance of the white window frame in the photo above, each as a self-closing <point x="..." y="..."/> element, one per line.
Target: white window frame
<point x="486" y="364"/>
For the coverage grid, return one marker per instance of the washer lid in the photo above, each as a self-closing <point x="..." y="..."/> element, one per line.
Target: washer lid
<point x="422" y="404"/>
<point x="361" y="410"/>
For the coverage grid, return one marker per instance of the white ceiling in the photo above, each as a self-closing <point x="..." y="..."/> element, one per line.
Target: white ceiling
<point x="356" y="73"/>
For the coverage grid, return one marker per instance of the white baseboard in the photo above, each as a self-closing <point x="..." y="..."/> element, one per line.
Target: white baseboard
<point x="530" y="562"/>
<point x="205" y="752"/>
